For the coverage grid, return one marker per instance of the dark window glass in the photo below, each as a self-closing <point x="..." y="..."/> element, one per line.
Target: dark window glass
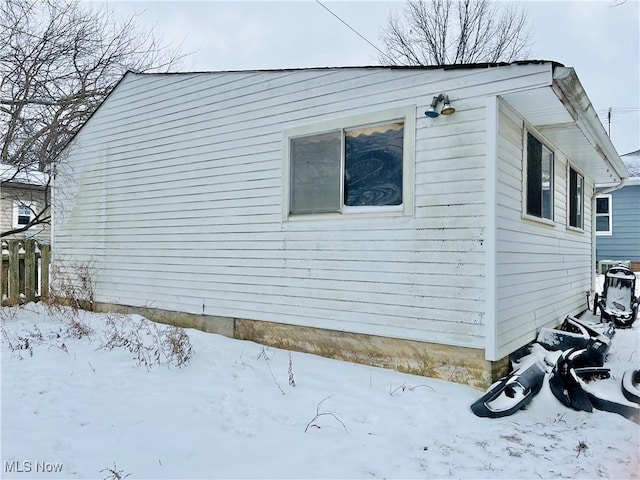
<point x="602" y="205"/>
<point x="539" y="179"/>
<point x="373" y="166"/>
<point x="576" y="199"/>
<point x="602" y="223"/>
<point x="534" y="176"/>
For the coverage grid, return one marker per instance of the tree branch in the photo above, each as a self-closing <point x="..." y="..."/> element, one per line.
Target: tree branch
<point x="58" y="60"/>
<point x="443" y="32"/>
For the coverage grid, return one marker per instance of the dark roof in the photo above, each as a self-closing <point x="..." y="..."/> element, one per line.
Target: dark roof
<point x="462" y="66"/>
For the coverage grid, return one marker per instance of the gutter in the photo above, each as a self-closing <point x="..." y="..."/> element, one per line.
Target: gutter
<point x="622" y="183"/>
<point x="571" y="93"/>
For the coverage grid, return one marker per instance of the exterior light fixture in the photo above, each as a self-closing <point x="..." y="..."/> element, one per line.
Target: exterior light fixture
<point x="431" y="111"/>
<point x="447" y="108"/>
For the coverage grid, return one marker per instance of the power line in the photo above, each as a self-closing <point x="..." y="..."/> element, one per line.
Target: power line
<point x="352" y="29"/>
<point x="612" y="114"/>
<point x="615" y="111"/>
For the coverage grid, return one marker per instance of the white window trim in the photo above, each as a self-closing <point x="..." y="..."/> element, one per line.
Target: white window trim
<point x="604" y="233"/>
<point x="584" y="184"/>
<point x="526" y="216"/>
<point x="405" y="114"/>
<point x="16" y="207"/>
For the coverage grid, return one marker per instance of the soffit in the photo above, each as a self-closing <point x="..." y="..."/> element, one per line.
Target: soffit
<point x="542" y="109"/>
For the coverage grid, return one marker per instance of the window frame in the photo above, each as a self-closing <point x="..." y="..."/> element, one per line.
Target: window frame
<point x="609" y="214"/>
<point x="17" y="205"/>
<point x="525" y="181"/>
<point x="405" y="114"/>
<point x="570" y="198"/>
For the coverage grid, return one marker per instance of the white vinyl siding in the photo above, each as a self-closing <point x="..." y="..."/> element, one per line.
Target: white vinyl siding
<point x="542" y="271"/>
<point x="179" y="202"/>
<point x="15" y="200"/>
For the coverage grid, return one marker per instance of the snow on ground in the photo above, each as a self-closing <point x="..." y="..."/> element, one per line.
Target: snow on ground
<point x="231" y="412"/>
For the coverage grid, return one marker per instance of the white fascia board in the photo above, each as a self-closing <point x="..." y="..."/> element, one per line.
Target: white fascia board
<point x="571" y="93"/>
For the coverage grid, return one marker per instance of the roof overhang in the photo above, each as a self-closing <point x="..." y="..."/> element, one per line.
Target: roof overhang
<point x="22" y="177"/>
<point x="563" y="114"/>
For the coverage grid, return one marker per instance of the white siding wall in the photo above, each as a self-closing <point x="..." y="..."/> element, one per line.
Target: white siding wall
<point x="9" y="195"/>
<point x="543" y="271"/>
<point x="174" y="189"/>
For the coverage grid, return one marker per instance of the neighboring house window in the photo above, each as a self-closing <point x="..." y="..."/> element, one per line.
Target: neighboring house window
<point x="22" y="214"/>
<point x="604" y="218"/>
<point x="576" y="199"/>
<point x="354" y="168"/>
<point x="540" y="186"/>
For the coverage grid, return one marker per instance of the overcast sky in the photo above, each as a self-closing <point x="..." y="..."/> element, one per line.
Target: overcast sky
<point x="600" y="40"/>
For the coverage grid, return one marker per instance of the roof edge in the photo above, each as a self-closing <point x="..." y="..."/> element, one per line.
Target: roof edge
<point x="461" y="66"/>
<point x="68" y="142"/>
<point x="571" y="93"/>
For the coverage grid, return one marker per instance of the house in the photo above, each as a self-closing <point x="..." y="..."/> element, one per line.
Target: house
<point x="429" y="219"/>
<point x="23" y="197"/>
<point x="618" y="219"/>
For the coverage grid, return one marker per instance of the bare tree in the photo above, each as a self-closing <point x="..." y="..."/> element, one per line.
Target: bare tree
<point x="58" y="60"/>
<point x="28" y="192"/>
<point x="449" y="32"/>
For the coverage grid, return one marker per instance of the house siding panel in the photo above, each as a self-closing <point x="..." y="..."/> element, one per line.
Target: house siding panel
<point x="543" y="271"/>
<point x="9" y="196"/>
<point x="176" y="195"/>
<point x="624" y="244"/>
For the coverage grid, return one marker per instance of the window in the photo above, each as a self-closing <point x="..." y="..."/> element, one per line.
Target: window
<point x="576" y="199"/>
<point x="315" y="173"/>
<point x="373" y="166"/>
<point x="604" y="220"/>
<point x="361" y="165"/>
<point x="22" y="214"/>
<point x="539" y="187"/>
<point x="370" y="157"/>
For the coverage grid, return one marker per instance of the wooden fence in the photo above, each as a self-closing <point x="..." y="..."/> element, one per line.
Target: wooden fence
<point x="24" y="271"/>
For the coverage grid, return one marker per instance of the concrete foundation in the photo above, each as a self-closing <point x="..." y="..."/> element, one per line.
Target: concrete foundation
<point x="456" y="364"/>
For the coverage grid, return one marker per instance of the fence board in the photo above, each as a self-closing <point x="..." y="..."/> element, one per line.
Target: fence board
<point x="14" y="272"/>
<point x="45" y="260"/>
<point x="4" y="269"/>
<point x="30" y="270"/>
<point x="24" y="271"/>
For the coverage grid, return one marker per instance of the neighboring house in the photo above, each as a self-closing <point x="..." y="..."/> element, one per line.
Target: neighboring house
<point x="22" y="197"/>
<point x="321" y="210"/>
<point x="618" y="219"/>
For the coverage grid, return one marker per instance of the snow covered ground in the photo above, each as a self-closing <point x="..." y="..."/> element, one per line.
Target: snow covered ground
<point x="71" y="409"/>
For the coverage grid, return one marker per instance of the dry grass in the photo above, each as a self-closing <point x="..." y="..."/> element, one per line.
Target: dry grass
<point x="149" y="343"/>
